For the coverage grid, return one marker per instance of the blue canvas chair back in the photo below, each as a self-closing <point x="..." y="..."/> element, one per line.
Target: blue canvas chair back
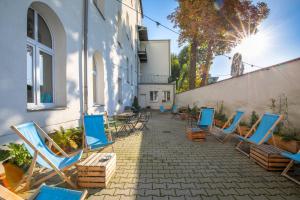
<point x="266" y="123"/>
<point x="48" y="192"/>
<point x="30" y="133"/>
<point x="161" y="108"/>
<point x="206" y="117"/>
<point x="174" y="108"/>
<point x="235" y="122"/>
<point x="94" y="131"/>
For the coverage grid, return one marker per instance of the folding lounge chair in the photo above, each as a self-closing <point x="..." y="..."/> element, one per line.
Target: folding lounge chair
<point x="94" y="133"/>
<point x="262" y="133"/>
<point x="295" y="158"/>
<point x="161" y="108"/>
<point x="235" y="120"/>
<point x="42" y="155"/>
<point x="45" y="192"/>
<point x="206" y="118"/>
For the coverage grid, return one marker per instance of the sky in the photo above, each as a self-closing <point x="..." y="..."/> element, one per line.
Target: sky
<point x="278" y="39"/>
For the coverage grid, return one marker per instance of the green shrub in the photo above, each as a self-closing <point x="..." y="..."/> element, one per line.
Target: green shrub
<point x="68" y="139"/>
<point x="19" y="155"/>
<point x="253" y="119"/>
<point x="135" y="103"/>
<point x="4" y="154"/>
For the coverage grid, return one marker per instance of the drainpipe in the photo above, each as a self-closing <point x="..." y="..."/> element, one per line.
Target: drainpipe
<point x="85" y="37"/>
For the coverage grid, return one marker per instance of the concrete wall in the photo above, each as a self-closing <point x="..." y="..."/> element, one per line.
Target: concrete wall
<point x="252" y="91"/>
<point x="102" y="38"/>
<point x="144" y="94"/>
<point x="158" y="53"/>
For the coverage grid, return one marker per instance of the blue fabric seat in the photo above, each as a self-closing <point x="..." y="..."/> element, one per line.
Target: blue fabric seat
<point x="263" y="132"/>
<point x="55" y="193"/>
<point x="295" y="158"/>
<point x="94" y="130"/>
<point x="206" y="118"/>
<point x="235" y="122"/>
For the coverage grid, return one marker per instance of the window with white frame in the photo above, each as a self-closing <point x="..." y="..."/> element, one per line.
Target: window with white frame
<point x="153" y="96"/>
<point x="40" y="67"/>
<point x="167" y="96"/>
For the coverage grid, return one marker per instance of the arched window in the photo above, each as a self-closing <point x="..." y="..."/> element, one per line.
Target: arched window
<point x="40" y="67"/>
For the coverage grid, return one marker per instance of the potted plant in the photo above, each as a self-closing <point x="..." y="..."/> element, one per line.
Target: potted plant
<point x="183" y="112"/>
<point x="244" y="128"/>
<point x="286" y="138"/>
<point x="220" y="117"/>
<point x="16" y="164"/>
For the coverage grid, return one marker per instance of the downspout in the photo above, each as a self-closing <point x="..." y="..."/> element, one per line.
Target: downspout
<point x="85" y="37"/>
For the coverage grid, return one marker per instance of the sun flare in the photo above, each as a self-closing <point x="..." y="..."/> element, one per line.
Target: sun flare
<point x="253" y="46"/>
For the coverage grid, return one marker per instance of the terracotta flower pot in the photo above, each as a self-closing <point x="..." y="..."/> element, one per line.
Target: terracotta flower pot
<point x="13" y="174"/>
<point x="291" y="146"/>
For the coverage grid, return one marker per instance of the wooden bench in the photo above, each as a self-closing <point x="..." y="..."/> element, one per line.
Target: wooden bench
<point x="268" y="157"/>
<point x="96" y="170"/>
<point x="195" y="134"/>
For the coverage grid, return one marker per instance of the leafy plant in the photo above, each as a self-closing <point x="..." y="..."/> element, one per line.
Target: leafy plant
<point x="220" y="115"/>
<point x="19" y="155"/>
<point x="243" y="123"/>
<point x="195" y="111"/>
<point x="4" y="154"/>
<point x="68" y="139"/>
<point x="135" y="103"/>
<point x="253" y="119"/>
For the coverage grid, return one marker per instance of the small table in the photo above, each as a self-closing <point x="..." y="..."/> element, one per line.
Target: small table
<point x="268" y="157"/>
<point x="195" y="134"/>
<point x="96" y="170"/>
<point x="126" y="118"/>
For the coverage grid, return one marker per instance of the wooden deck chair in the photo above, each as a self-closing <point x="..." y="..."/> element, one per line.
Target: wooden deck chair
<point x="206" y="118"/>
<point x="234" y="120"/>
<point x="45" y="192"/>
<point x="295" y="158"/>
<point x="263" y="130"/>
<point x="36" y="146"/>
<point x="94" y="133"/>
<point x="162" y="109"/>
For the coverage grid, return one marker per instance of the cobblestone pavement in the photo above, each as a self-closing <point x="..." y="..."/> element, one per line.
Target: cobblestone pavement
<point x="160" y="163"/>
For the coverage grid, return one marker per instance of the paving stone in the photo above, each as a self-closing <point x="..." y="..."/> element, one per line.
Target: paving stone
<point x="152" y="192"/>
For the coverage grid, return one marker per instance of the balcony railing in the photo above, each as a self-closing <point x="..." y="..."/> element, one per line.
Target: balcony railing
<point x="146" y="78"/>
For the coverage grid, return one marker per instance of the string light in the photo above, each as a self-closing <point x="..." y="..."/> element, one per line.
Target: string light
<point x="172" y="30"/>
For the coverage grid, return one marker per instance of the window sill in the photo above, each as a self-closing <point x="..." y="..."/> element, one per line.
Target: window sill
<point x="98" y="105"/>
<point x="37" y="109"/>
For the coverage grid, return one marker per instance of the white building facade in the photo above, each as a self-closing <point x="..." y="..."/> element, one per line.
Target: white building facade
<point x="155" y="69"/>
<point x="62" y="58"/>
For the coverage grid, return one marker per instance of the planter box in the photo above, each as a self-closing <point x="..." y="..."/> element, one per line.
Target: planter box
<point x="195" y="134"/>
<point x="291" y="146"/>
<point x="96" y="170"/>
<point x="268" y="157"/>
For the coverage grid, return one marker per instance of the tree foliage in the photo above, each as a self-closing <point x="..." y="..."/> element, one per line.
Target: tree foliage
<point x="216" y="26"/>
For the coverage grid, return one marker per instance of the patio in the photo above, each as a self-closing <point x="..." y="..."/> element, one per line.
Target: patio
<point x="161" y="163"/>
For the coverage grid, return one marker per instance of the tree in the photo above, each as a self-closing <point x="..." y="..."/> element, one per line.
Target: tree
<point x="175" y="68"/>
<point x="216" y="26"/>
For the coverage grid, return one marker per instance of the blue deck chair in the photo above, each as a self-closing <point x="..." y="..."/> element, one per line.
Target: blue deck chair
<point x="263" y="130"/>
<point x="45" y="192"/>
<point x="36" y="146"/>
<point x="235" y="120"/>
<point x="295" y="158"/>
<point x="162" y="108"/>
<point x="206" y="118"/>
<point x="95" y="137"/>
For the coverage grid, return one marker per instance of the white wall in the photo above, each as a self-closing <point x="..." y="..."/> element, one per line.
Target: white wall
<point x="101" y="37"/>
<point x="144" y="91"/>
<point x="252" y="91"/>
<point x="158" y="63"/>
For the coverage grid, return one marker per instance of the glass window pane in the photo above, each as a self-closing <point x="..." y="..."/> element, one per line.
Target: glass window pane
<point x="30" y="23"/>
<point x="30" y="88"/>
<point x="44" y="35"/>
<point x="46" y="86"/>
